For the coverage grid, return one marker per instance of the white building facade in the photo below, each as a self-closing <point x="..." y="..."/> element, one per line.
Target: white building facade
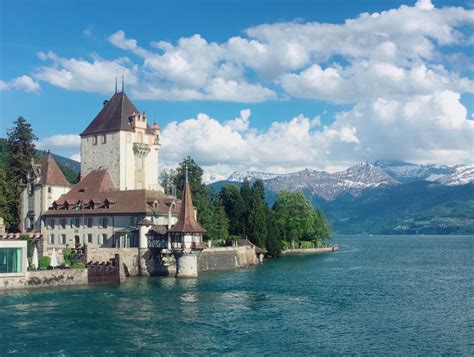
<point x="120" y="140"/>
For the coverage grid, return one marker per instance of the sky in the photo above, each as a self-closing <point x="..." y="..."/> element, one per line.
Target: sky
<point x="274" y="86"/>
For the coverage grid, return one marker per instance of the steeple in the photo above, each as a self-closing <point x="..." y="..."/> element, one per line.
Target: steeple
<point x="187" y="221"/>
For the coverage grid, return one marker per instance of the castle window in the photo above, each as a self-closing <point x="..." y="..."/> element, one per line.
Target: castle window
<point x="89" y="238"/>
<point x="89" y="222"/>
<point x="51" y="239"/>
<point x="62" y="223"/>
<point x="63" y="239"/>
<point x="49" y="189"/>
<point x="104" y="139"/>
<point x="94" y="140"/>
<point x="75" y="222"/>
<point x="50" y="223"/>
<point x="103" y="222"/>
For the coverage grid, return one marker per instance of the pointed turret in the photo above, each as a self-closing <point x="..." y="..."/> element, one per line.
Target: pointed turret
<point x="187" y="221"/>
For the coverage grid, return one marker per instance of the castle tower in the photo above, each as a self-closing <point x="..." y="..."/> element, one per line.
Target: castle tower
<point x="120" y="140"/>
<point x="186" y="237"/>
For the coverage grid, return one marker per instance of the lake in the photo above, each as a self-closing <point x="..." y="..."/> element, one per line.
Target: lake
<point x="401" y="295"/>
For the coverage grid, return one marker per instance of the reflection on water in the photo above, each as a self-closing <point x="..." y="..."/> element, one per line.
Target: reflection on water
<point x="380" y="296"/>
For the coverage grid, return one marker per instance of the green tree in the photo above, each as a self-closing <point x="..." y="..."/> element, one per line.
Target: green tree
<point x="274" y="236"/>
<point x="246" y="193"/>
<point x="257" y="221"/>
<point x="220" y="223"/>
<point x="20" y="151"/>
<point x="4" y="195"/>
<point x="257" y="215"/>
<point x="296" y="217"/>
<point x="195" y="173"/>
<point x="168" y="179"/>
<point x="210" y="213"/>
<point x="234" y="208"/>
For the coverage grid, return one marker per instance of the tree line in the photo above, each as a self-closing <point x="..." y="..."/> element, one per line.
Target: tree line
<point x="242" y="212"/>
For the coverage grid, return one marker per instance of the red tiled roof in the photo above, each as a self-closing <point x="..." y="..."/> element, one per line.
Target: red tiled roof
<point x="51" y="174"/>
<point x="187" y="222"/>
<point x="98" y="188"/>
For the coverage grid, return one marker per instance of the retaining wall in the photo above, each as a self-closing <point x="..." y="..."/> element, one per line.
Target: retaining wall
<point x="132" y="260"/>
<point x="45" y="278"/>
<point x="332" y="248"/>
<point x="226" y="258"/>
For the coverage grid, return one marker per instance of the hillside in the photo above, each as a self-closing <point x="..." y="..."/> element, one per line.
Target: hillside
<point x="415" y="208"/>
<point x="70" y="168"/>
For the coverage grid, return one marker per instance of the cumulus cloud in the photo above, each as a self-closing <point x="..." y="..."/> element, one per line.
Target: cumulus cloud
<point x="24" y="83"/>
<point x="96" y="75"/>
<point x="61" y="142"/>
<point x="424" y="129"/>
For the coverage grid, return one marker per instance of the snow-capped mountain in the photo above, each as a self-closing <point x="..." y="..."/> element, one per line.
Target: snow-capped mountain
<point x="239" y="176"/>
<point x="330" y="185"/>
<point x="407" y="172"/>
<point x="462" y="175"/>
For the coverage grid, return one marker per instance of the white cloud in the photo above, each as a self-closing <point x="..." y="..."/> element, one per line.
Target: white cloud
<point x="61" y="142"/>
<point x="89" y="76"/>
<point x="423" y="129"/>
<point x="24" y="83"/>
<point x="76" y="157"/>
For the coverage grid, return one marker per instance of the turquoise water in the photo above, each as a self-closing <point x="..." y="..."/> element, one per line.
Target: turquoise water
<point x="378" y="295"/>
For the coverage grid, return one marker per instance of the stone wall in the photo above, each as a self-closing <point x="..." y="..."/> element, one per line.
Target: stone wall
<point x="45" y="278"/>
<point x="132" y="260"/>
<point x="332" y="248"/>
<point x="226" y="258"/>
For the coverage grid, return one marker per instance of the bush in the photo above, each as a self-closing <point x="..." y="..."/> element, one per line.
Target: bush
<point x="44" y="262"/>
<point x="68" y="255"/>
<point x="78" y="265"/>
<point x="306" y="244"/>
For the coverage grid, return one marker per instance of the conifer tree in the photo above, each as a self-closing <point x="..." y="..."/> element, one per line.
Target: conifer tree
<point x="257" y="216"/>
<point x="234" y="208"/>
<point x="20" y="151"/>
<point x="4" y="195"/>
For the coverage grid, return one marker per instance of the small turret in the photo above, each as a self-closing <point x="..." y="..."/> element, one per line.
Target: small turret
<point x="138" y="120"/>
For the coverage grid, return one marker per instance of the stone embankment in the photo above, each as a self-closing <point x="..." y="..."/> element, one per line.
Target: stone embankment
<point x="332" y="248"/>
<point x="45" y="278"/>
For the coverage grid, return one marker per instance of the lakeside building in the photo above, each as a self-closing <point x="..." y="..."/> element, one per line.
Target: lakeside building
<point x="45" y="184"/>
<point x="119" y="189"/>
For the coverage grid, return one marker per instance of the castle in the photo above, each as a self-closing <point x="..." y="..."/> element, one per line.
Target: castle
<point x="118" y="203"/>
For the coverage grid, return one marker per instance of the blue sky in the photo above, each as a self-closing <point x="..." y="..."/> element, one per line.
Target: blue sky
<point x="331" y="105"/>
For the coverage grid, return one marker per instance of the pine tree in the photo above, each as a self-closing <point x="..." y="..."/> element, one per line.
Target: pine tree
<point x="234" y="208"/>
<point x="274" y="236"/>
<point x="20" y="151"/>
<point x="257" y="216"/>
<point x="4" y="195"/>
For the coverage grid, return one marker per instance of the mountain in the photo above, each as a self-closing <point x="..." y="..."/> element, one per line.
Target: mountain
<point x="384" y="197"/>
<point x="330" y="185"/>
<point x="462" y="175"/>
<point x="406" y="172"/>
<point x="419" y="207"/>
<point x="239" y="176"/>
